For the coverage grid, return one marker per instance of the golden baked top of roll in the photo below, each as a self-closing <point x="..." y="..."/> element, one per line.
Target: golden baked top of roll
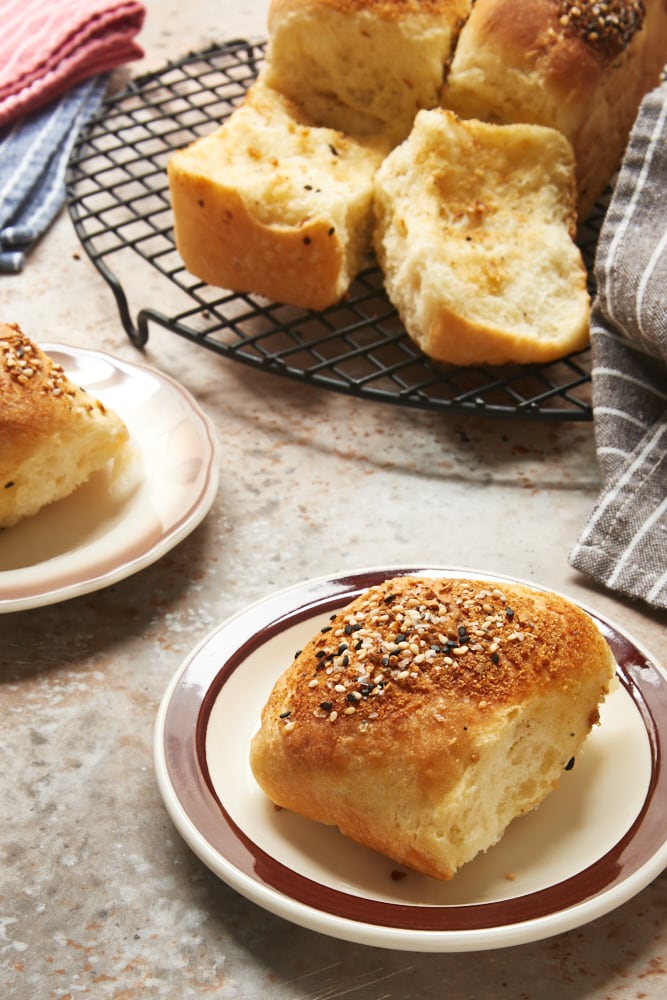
<point x="429" y="713"/>
<point x="53" y="434"/>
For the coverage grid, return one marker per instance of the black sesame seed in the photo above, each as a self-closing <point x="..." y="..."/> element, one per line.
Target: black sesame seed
<point x="320" y="653"/>
<point x="285" y="715"/>
<point x="495" y="658"/>
<point x="400" y="638"/>
<point x="326" y="706"/>
<point x="346" y="660"/>
<point x="390" y="598"/>
<point x="297" y="654"/>
<point x="359" y="643"/>
<point x="333" y="149"/>
<point x="9" y="485"/>
<point x="570" y="764"/>
<point x="509" y="613"/>
<point x="307" y="240"/>
<point x="326" y="628"/>
<point x="342" y="648"/>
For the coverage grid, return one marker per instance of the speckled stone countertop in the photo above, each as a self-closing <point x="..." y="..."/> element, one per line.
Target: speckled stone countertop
<point x="99" y="896"/>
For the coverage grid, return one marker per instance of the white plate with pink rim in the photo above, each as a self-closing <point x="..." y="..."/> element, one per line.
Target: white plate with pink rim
<point x="109" y="528"/>
<point x="582" y="853"/>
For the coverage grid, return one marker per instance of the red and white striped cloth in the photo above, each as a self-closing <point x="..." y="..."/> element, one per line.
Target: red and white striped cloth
<point x="47" y="46"/>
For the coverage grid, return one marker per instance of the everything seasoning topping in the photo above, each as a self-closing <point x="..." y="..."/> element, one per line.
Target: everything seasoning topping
<point x="606" y="25"/>
<point x="419" y="637"/>
<point x="22" y="363"/>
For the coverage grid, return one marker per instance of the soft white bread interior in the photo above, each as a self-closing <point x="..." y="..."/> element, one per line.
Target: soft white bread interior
<point x="271" y="204"/>
<point x="362" y="66"/>
<point x="53" y="434"/>
<point x="576" y="65"/>
<point x="474" y="233"/>
<point x="429" y="713"/>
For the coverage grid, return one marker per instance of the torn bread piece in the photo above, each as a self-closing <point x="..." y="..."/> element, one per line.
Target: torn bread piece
<point x="53" y="434"/>
<point x="428" y="713"/>
<point x="475" y="228"/>
<point x="363" y="66"/>
<point x="270" y="204"/>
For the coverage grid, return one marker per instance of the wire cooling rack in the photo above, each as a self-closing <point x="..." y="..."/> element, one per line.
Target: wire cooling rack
<point x="118" y="199"/>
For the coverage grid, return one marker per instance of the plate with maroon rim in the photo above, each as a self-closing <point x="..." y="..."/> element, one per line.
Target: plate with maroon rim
<point x="582" y="853"/>
<point x="112" y="527"/>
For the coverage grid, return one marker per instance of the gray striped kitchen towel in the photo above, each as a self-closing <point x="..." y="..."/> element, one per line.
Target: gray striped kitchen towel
<point x="624" y="544"/>
<point x="33" y="159"/>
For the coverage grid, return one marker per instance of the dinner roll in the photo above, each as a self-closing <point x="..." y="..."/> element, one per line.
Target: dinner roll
<point x="270" y="204"/>
<point x="362" y="66"/>
<point x="53" y="434"/>
<point x="474" y="233"/>
<point x="428" y="713"/>
<point x="581" y="66"/>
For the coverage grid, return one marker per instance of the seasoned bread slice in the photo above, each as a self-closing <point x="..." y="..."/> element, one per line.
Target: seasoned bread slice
<point x="576" y="65"/>
<point x="270" y="204"/>
<point x="362" y="66"/>
<point x="53" y="434"/>
<point x="474" y="233"/>
<point x="429" y="713"/>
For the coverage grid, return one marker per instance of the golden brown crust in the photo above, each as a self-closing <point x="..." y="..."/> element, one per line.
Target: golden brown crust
<point x="53" y="434"/>
<point x="224" y="244"/>
<point x="418" y="692"/>
<point x="409" y="640"/>
<point x="565" y="31"/>
<point x="580" y="67"/>
<point x="273" y="205"/>
<point x="37" y="397"/>
<point x="606" y="27"/>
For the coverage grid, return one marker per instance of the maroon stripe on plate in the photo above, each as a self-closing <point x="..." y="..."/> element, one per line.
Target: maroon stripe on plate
<point x="185" y="726"/>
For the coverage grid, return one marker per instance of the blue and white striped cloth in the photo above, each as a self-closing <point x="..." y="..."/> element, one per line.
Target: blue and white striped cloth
<point x="624" y="544"/>
<point x="34" y="152"/>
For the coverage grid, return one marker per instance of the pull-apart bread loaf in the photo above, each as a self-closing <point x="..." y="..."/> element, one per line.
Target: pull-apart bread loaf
<point x="581" y="66"/>
<point x="272" y="204"/>
<point x="474" y="233"/>
<point x="363" y="65"/>
<point x="429" y="713"/>
<point x="53" y="434"/>
<point x="279" y="201"/>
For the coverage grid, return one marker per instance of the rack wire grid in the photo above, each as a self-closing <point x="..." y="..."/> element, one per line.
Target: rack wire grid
<point x="118" y="199"/>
